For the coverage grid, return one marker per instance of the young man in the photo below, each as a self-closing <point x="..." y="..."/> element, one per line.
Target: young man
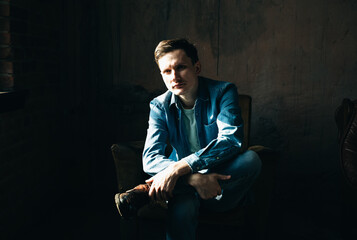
<point x="200" y="119"/>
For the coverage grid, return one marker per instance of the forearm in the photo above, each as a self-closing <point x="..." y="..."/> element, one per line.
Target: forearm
<point x="155" y="164"/>
<point x="181" y="168"/>
<point x="192" y="179"/>
<point x="216" y="153"/>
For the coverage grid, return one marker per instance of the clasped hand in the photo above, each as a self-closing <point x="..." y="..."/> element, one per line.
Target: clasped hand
<point x="207" y="185"/>
<point x="163" y="183"/>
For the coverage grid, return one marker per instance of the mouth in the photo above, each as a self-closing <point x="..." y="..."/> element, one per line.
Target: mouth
<point x="179" y="85"/>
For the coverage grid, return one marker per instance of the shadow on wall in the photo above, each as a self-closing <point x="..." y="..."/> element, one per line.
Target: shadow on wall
<point x="244" y="25"/>
<point x="129" y="110"/>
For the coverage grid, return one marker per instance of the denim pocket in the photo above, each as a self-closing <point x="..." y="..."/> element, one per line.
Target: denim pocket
<point x="211" y="131"/>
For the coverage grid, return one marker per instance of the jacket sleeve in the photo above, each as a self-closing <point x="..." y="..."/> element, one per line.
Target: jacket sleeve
<point x="230" y="134"/>
<point x="154" y="159"/>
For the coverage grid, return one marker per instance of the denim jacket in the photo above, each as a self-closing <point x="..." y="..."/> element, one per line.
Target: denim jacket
<point x="219" y="128"/>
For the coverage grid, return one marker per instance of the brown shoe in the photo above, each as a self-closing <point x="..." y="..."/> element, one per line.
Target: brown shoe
<point x="131" y="201"/>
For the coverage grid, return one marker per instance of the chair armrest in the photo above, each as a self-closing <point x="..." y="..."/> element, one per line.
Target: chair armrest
<point x="259" y="148"/>
<point x="128" y="164"/>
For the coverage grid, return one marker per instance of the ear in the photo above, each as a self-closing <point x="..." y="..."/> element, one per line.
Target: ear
<point x="197" y="67"/>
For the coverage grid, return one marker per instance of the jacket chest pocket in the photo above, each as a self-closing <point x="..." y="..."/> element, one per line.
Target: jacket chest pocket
<point x="211" y="131"/>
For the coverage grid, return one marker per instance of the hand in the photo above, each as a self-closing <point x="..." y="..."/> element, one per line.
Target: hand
<point x="207" y="185"/>
<point x="163" y="183"/>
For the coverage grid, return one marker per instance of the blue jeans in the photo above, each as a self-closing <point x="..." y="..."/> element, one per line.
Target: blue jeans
<point x="184" y="206"/>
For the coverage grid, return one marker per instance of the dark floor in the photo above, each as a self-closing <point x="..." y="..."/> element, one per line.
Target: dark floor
<point x="318" y="206"/>
<point x="314" y="207"/>
<point x="76" y="218"/>
<point x="98" y="219"/>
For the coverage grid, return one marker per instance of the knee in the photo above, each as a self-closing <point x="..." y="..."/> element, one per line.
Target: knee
<point x="253" y="162"/>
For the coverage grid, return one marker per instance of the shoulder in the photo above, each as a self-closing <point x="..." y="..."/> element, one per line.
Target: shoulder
<point x="215" y="87"/>
<point x="163" y="100"/>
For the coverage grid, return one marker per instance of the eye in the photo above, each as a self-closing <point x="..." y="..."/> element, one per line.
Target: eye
<point x="167" y="71"/>
<point x="180" y="67"/>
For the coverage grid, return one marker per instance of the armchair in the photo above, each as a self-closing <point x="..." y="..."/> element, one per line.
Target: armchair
<point x="346" y="120"/>
<point x="253" y="219"/>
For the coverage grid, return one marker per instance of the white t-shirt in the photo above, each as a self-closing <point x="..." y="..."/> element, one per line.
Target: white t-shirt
<point x="189" y="121"/>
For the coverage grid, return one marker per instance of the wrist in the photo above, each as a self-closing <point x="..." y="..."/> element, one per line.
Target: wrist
<point x="193" y="179"/>
<point x="181" y="168"/>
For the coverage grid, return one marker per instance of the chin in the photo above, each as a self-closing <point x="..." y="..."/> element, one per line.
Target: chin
<point x="177" y="92"/>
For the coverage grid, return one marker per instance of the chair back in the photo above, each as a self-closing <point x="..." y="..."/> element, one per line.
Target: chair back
<point x="245" y="103"/>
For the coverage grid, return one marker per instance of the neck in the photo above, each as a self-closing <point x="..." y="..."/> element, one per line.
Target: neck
<point x="188" y="102"/>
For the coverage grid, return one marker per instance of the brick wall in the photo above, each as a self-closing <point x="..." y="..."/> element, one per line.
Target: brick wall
<point x="41" y="145"/>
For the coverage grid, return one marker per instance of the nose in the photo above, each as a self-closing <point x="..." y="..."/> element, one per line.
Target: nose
<point x="175" y="75"/>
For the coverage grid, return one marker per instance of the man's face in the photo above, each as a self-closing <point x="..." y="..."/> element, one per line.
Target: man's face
<point x="179" y="74"/>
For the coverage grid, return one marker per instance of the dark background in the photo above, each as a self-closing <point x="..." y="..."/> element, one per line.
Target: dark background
<point x="89" y="70"/>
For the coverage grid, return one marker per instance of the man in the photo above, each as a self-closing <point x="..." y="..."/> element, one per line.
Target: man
<point x="200" y="119"/>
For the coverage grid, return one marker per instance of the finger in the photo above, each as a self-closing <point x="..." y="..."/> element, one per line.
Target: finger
<point x="151" y="192"/>
<point x="164" y="196"/>
<point x="158" y="196"/>
<point x="150" y="180"/>
<point x="219" y="191"/>
<point x="223" y="177"/>
<point x="169" y="194"/>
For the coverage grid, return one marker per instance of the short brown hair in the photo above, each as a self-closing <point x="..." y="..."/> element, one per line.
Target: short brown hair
<point x="167" y="46"/>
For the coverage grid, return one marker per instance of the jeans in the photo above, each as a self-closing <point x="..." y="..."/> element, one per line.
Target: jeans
<point x="184" y="206"/>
